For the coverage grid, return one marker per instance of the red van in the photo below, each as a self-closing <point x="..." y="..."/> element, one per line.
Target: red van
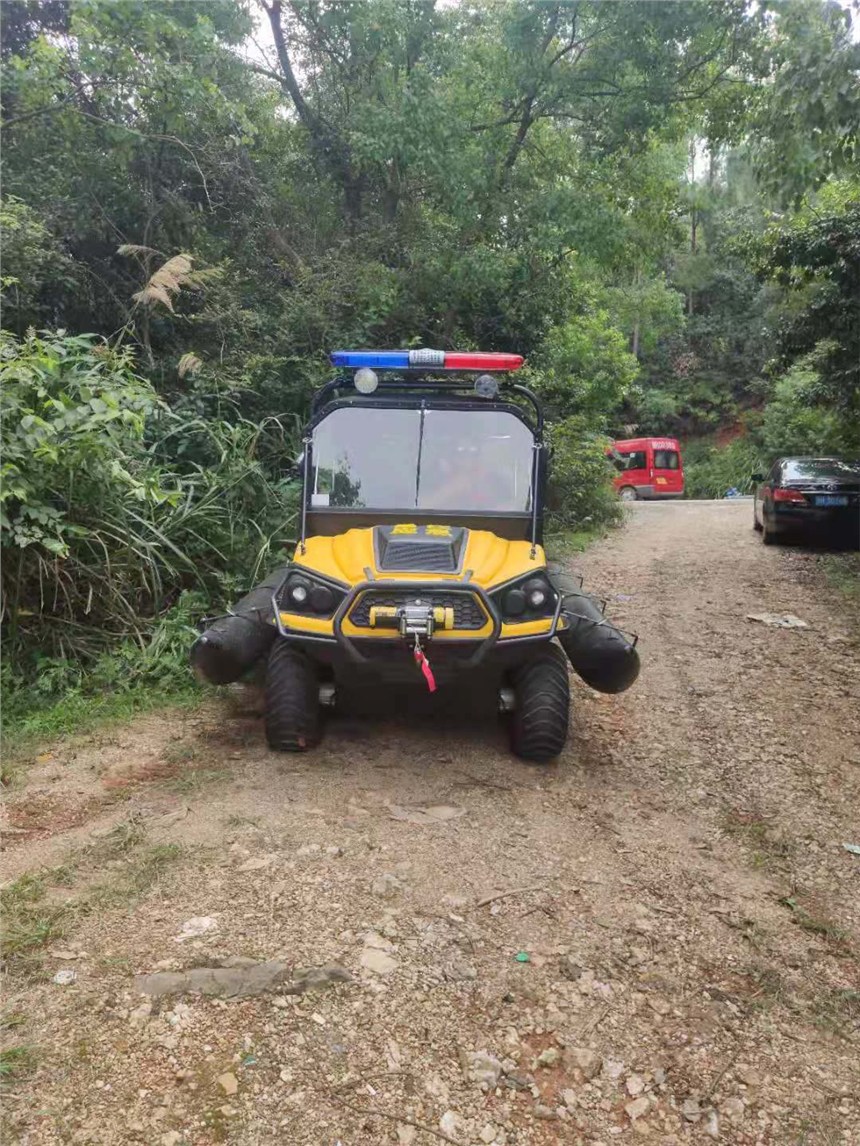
<point x="649" y="468"/>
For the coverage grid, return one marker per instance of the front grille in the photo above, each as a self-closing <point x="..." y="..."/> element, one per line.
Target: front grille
<point x="468" y="612"/>
<point x="419" y="557"/>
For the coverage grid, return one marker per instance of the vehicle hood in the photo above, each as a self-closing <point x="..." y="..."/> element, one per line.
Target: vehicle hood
<point x="408" y="552"/>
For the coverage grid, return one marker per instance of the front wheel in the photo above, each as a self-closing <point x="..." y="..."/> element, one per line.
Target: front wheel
<point x="628" y="493"/>
<point x="292" y="715"/>
<point x="539" y="723"/>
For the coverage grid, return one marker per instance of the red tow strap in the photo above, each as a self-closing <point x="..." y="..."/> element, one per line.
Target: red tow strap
<point x="424" y="665"/>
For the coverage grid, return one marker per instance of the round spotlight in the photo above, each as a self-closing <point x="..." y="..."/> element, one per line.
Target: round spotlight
<point x="322" y="599"/>
<point x="536" y="594"/>
<point x="299" y="592"/>
<point x="486" y="386"/>
<point x="366" y="380"/>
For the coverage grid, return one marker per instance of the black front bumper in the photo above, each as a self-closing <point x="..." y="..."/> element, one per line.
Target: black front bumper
<point x="457" y="653"/>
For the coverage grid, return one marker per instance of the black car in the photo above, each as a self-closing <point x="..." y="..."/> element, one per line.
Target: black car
<point x="809" y="498"/>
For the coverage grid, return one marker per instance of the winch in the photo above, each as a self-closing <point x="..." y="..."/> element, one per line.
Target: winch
<point x="414" y="619"/>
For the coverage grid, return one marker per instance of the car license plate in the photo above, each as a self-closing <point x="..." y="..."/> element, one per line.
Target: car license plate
<point x="831" y="499"/>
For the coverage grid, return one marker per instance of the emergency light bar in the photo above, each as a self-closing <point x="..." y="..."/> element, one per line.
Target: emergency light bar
<point x="424" y="360"/>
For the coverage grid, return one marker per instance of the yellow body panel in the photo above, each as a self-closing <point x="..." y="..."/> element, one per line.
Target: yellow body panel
<point x="347" y="557"/>
<point x="350" y="559"/>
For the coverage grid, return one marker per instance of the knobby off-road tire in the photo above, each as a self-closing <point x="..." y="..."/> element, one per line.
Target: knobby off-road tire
<point x="539" y="721"/>
<point x="293" y="718"/>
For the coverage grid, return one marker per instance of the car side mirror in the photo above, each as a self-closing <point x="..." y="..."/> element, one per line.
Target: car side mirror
<point x="757" y="477"/>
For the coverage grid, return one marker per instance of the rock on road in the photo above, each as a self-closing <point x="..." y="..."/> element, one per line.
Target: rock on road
<point x="655" y="938"/>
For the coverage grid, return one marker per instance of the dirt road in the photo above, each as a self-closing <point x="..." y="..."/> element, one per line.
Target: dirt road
<point x="656" y="938"/>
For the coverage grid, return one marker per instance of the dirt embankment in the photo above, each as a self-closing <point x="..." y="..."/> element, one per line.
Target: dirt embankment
<point x="655" y="938"/>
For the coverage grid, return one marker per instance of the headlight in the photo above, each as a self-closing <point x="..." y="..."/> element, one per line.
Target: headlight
<point x="322" y="599"/>
<point x="514" y="603"/>
<point x="298" y="593"/>
<point x="536" y="594"/>
<point x="305" y="594"/>
<point x="525" y="600"/>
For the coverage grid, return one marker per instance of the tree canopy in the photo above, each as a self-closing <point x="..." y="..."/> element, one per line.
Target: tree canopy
<point x="657" y="203"/>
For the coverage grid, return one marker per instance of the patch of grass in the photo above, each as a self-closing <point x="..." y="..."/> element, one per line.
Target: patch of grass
<point x="140" y="871"/>
<point x="196" y="778"/>
<point x="29" y="922"/>
<point x="842" y="571"/>
<point x="76" y="713"/>
<point x="766" y="845"/>
<point x="12" y="1021"/>
<point x="838" y="1010"/>
<point x="234" y="821"/>
<point x="15" y="1061"/>
<point x="179" y="752"/>
<point x="566" y="542"/>
<point x="767" y="987"/>
<point x="815" y="924"/>
<point x="119" y="840"/>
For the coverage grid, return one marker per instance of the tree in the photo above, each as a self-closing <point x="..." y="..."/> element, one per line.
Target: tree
<point x="805" y="123"/>
<point x="816" y="258"/>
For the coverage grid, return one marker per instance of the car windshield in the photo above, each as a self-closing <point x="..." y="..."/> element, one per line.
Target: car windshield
<point x="820" y="469"/>
<point x="435" y="460"/>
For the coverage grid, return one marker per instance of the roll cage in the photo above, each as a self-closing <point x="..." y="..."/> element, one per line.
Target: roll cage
<point x="422" y="393"/>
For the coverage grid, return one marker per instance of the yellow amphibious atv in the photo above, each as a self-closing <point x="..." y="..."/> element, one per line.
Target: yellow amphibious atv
<point x="420" y="557"/>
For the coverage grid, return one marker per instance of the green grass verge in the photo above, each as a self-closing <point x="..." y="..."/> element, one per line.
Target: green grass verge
<point x="77" y="712"/>
<point x="566" y="542"/>
<point x="32" y="919"/>
<point x="843" y="573"/>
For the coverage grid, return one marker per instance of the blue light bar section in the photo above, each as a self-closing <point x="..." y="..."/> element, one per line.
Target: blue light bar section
<point x="375" y="359"/>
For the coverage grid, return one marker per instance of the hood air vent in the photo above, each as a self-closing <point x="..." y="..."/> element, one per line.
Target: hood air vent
<point x="419" y="548"/>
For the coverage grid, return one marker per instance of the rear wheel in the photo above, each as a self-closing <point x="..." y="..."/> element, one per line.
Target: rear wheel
<point x="756" y="522"/>
<point x="293" y="721"/>
<point x="767" y="535"/>
<point x="539" y="722"/>
<point x="628" y="493"/>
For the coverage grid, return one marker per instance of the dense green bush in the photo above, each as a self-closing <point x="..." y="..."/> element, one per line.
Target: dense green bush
<point x="580" y="490"/>
<point x="710" y="471"/>
<point x="45" y="695"/>
<point x="794" y="422"/>
<point x="113" y="505"/>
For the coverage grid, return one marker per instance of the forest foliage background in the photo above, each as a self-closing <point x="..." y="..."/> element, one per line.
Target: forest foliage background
<point x="657" y="203"/>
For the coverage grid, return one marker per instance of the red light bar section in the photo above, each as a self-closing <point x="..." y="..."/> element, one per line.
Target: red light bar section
<point x="478" y="361"/>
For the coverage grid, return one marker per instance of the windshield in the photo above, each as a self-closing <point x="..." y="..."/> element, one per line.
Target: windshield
<point x="443" y="460"/>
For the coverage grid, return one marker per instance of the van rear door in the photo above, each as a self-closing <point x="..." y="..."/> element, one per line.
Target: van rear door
<point x="667" y="476"/>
